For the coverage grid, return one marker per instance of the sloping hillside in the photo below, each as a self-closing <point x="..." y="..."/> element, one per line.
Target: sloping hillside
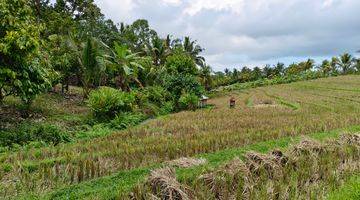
<point x="274" y="113"/>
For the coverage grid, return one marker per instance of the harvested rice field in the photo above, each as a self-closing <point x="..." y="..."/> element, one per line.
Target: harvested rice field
<point x="117" y="165"/>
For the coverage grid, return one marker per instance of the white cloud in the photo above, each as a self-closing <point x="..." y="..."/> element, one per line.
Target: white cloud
<point x="250" y="32"/>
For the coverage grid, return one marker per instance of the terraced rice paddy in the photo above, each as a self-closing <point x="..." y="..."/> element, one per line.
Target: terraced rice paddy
<point x="261" y="114"/>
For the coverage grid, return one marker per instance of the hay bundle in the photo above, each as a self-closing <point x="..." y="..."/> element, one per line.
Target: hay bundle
<point x="308" y="146"/>
<point x="257" y="162"/>
<point x="280" y="157"/>
<point x="225" y="181"/>
<point x="164" y="185"/>
<point x="350" y="139"/>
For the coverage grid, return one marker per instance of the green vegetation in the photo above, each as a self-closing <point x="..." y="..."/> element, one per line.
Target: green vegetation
<point x="88" y="108"/>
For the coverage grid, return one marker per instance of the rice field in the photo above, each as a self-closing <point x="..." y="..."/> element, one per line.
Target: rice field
<point x="261" y="114"/>
<point x="308" y="170"/>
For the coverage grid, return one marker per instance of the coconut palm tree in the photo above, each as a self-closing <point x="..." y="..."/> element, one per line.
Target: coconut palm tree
<point x="158" y="50"/>
<point x="334" y="64"/>
<point x="193" y="50"/>
<point x="325" y="67"/>
<point x="345" y="62"/>
<point x="205" y="76"/>
<point x="93" y="64"/>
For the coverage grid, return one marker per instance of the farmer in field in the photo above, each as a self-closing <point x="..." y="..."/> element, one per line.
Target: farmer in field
<point x="232" y="102"/>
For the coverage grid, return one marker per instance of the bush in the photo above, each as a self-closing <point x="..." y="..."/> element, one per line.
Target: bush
<point x="125" y="120"/>
<point x="26" y="133"/>
<point x="154" y="94"/>
<point x="181" y="83"/>
<point x="107" y="102"/>
<point x="188" y="101"/>
<point x="154" y="101"/>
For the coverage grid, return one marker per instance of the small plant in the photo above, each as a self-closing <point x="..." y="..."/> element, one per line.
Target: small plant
<point x="107" y="102"/>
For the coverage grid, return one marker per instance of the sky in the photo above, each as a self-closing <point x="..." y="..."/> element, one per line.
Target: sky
<point x="238" y="33"/>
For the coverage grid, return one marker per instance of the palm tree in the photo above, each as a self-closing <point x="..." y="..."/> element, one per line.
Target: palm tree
<point x="158" y="50"/>
<point x="205" y="76"/>
<point x="357" y="65"/>
<point x="307" y="65"/>
<point x="93" y="65"/>
<point x="194" y="50"/>
<point x="334" y="64"/>
<point x="325" y="67"/>
<point x="345" y="62"/>
<point x="279" y="69"/>
<point x="126" y="65"/>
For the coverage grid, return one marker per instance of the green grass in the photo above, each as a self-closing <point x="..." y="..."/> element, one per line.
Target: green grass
<point x="122" y="182"/>
<point x="349" y="191"/>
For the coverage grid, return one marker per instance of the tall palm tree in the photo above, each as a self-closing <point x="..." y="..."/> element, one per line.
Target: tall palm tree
<point x="194" y="51"/>
<point x="93" y="65"/>
<point x="126" y="65"/>
<point x="345" y="62"/>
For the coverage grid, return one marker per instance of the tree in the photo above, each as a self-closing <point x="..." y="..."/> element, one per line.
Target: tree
<point x="357" y="65"/>
<point x="158" y="50"/>
<point x="307" y="65"/>
<point x="205" y="76"/>
<point x="64" y="58"/>
<point x="181" y="63"/>
<point x="325" y="67"/>
<point x="345" y="62"/>
<point x="193" y="50"/>
<point x="93" y="63"/>
<point x="334" y="64"/>
<point x="125" y="65"/>
<point x="279" y="69"/>
<point x="21" y="73"/>
<point x="268" y="71"/>
<point x="138" y="36"/>
<point x="245" y="74"/>
<point x="256" y="73"/>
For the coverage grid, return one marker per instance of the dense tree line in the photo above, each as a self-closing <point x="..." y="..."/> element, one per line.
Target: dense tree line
<point x="344" y="64"/>
<point x="43" y="44"/>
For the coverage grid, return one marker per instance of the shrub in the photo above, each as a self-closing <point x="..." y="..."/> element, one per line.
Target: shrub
<point x="188" y="101"/>
<point x="107" y="102"/>
<point x="181" y="83"/>
<point x="154" y="94"/>
<point x="154" y="101"/>
<point x="125" y="120"/>
<point x="27" y="133"/>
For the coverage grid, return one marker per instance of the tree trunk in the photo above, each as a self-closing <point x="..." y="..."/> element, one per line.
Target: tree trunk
<point x="1" y="97"/>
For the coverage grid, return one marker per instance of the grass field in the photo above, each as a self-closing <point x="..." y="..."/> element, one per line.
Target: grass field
<point x="108" y="166"/>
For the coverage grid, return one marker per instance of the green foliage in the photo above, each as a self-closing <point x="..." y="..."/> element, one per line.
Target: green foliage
<point x="22" y="73"/>
<point x="188" y="101"/>
<point x="27" y="133"/>
<point x="181" y="63"/>
<point x="93" y="64"/>
<point x="182" y="83"/>
<point x="106" y="102"/>
<point x="125" y="66"/>
<point x="154" y="100"/>
<point x="125" y="120"/>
